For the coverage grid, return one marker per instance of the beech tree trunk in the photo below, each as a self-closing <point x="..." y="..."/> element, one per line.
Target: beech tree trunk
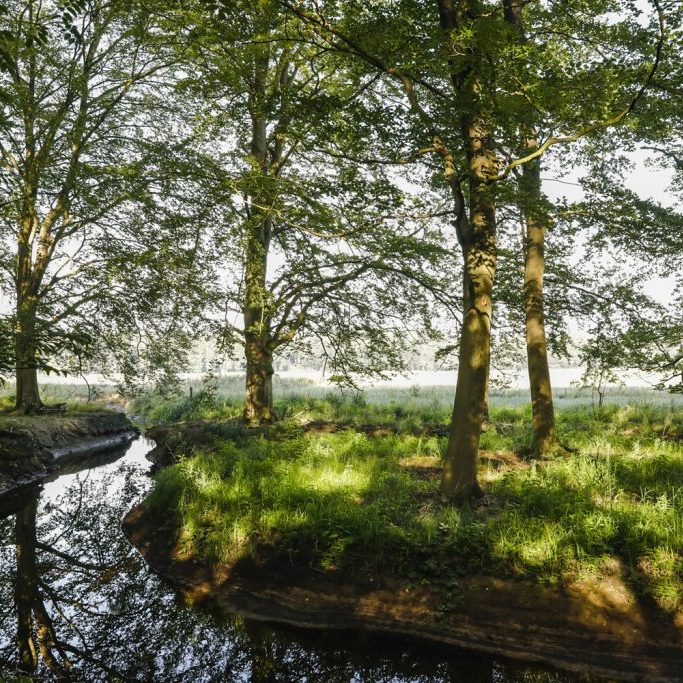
<point x="543" y="412"/>
<point x="477" y="237"/>
<point x="459" y="481"/>
<point x="28" y="280"/>
<point x="258" y="348"/>
<point x="27" y="399"/>
<point x="258" y="404"/>
<point x="466" y="306"/>
<point x="27" y="393"/>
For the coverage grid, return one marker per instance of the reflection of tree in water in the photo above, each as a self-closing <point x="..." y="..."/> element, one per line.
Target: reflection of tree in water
<point x="34" y="624"/>
<point x="85" y="605"/>
<point x="77" y="602"/>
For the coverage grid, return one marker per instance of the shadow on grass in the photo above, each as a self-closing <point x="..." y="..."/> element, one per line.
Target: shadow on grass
<point x="352" y="504"/>
<point x="604" y="525"/>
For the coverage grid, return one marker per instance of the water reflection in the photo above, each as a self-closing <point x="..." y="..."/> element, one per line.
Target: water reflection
<point x="78" y="603"/>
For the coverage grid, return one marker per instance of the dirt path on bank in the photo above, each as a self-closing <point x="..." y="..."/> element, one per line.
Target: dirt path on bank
<point x="595" y="626"/>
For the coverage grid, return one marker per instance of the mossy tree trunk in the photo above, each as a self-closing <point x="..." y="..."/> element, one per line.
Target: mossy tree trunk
<point x="27" y="400"/>
<point x="258" y="403"/>
<point x="258" y="342"/>
<point x="28" y="280"/>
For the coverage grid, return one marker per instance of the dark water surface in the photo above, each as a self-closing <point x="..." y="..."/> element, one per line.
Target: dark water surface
<point x="77" y="602"/>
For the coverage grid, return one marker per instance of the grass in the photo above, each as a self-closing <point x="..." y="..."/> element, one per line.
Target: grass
<point x="73" y="396"/>
<point x="356" y="504"/>
<point x="71" y="406"/>
<point x="359" y="505"/>
<point x="301" y="397"/>
<point x="407" y="408"/>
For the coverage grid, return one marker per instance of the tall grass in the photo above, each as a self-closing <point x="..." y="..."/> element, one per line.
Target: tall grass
<point x="294" y="394"/>
<point x="71" y="394"/>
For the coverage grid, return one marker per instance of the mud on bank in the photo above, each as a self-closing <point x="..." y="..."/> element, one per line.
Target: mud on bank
<point x="31" y="447"/>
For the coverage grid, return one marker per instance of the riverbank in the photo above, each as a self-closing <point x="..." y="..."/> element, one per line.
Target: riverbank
<point x="591" y="626"/>
<point x="574" y="561"/>
<point x="32" y="446"/>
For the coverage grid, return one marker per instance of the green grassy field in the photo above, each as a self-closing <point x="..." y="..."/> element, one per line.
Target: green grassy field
<point x="299" y="397"/>
<point x="358" y="504"/>
<point x="228" y="393"/>
<point x="75" y="396"/>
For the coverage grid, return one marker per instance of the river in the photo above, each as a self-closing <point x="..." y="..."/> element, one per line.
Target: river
<point x="77" y="602"/>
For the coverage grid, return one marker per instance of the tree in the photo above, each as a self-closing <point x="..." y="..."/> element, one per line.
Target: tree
<point x="621" y="227"/>
<point x="486" y="68"/>
<point x="534" y="211"/>
<point x="327" y="245"/>
<point x="79" y="146"/>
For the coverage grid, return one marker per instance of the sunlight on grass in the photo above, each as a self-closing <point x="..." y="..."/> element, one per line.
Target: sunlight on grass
<point x="354" y="503"/>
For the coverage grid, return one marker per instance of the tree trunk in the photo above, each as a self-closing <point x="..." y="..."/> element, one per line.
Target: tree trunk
<point x="466" y="306"/>
<point x="536" y="345"/>
<point x="459" y="481"/>
<point x="477" y="237"/>
<point x="487" y="394"/>
<point x="258" y="404"/>
<point x="258" y="349"/>
<point x="543" y="413"/>
<point x="258" y="401"/>
<point x="27" y="283"/>
<point x="27" y="399"/>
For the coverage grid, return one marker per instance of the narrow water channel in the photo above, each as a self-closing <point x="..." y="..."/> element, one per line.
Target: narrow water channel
<point x="77" y="602"/>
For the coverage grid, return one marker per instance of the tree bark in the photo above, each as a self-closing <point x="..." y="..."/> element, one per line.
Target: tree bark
<point x="543" y="412"/>
<point x="459" y="481"/>
<point x="27" y="391"/>
<point x="477" y="237"/>
<point x="258" y="404"/>
<point x="27" y="399"/>
<point x="258" y="350"/>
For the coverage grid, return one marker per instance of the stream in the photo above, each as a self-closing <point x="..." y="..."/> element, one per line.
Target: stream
<point x="77" y="602"/>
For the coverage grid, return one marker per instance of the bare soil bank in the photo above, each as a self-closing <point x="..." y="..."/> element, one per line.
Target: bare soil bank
<point x="593" y="626"/>
<point x="31" y="447"/>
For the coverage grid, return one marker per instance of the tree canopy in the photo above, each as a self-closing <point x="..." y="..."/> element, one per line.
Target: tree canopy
<point x="340" y="178"/>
